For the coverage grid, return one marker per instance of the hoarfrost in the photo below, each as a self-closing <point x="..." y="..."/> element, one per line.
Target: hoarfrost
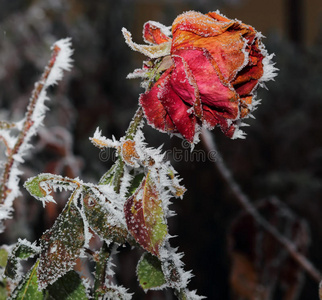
<point x="270" y="71"/>
<point x="238" y="134"/>
<point x="28" y="244"/>
<point x="101" y="141"/>
<point x="116" y="292"/>
<point x="63" y="61"/>
<point x="191" y="295"/>
<point x="172" y="260"/>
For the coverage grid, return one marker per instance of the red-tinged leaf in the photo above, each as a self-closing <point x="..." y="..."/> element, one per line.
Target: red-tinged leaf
<point x="145" y="217"/>
<point x="61" y="246"/>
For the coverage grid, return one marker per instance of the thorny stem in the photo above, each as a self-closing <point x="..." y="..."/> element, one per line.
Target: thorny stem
<point x="100" y="271"/>
<point x="118" y="167"/>
<point x="244" y="201"/>
<point x="39" y="87"/>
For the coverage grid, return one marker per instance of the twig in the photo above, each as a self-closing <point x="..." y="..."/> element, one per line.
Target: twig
<point x="244" y="201"/>
<point x="17" y="146"/>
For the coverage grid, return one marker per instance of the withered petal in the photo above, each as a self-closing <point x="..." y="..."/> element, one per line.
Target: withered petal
<point x="152" y="33"/>
<point x="213" y="89"/>
<point x="153" y="109"/>
<point x="184" y="121"/>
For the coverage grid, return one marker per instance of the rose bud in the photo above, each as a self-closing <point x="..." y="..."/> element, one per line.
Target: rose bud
<point x="205" y="75"/>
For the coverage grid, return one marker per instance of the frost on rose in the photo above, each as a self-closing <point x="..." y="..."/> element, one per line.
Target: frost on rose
<point x="202" y="73"/>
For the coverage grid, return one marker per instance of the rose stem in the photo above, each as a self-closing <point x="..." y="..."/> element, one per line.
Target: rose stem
<point x="39" y="86"/>
<point x="244" y="201"/>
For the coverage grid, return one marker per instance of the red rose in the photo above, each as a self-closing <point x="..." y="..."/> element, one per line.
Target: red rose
<point x="215" y="66"/>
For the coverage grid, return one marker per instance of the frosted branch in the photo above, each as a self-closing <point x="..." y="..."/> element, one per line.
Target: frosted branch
<point x="17" y="147"/>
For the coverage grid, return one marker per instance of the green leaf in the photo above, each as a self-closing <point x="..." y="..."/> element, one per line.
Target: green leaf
<point x="61" y="245"/>
<point x="108" y="177"/>
<point x="43" y="185"/>
<point x="145" y="217"/>
<point x="28" y="288"/>
<point x="4" y="287"/>
<point x="3" y="257"/>
<point x="150" y="273"/>
<point x="102" y="221"/>
<point x="68" y="287"/>
<point x="137" y="180"/>
<point x="22" y="250"/>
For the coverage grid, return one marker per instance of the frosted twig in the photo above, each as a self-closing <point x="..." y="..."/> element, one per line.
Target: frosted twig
<point x="17" y="147"/>
<point x="245" y="202"/>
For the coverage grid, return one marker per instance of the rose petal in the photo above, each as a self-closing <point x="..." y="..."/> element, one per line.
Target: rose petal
<point x="154" y="111"/>
<point x="212" y="118"/>
<point x="184" y="122"/>
<point x="213" y="92"/>
<point x="153" y="32"/>
<point x="184" y="84"/>
<point x="248" y="77"/>
<point x="198" y="24"/>
<point x="244" y="106"/>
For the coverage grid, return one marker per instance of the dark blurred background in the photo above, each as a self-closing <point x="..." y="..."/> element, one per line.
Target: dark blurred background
<point x="281" y="156"/>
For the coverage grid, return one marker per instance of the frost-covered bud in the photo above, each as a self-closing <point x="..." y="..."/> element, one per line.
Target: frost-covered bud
<point x="216" y="65"/>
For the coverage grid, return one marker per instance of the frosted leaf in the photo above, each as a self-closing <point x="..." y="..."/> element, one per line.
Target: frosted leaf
<point x="149" y="273"/>
<point x="28" y="287"/>
<point x="129" y="153"/>
<point x="116" y="292"/>
<point x="102" y="142"/>
<point x="61" y="245"/>
<point x="42" y="185"/>
<point x="114" y="205"/>
<point x="151" y="51"/>
<point x="70" y="286"/>
<point x="145" y="218"/>
<point x="102" y="221"/>
<point x="172" y="268"/>
<point x="108" y="177"/>
<point x="23" y="250"/>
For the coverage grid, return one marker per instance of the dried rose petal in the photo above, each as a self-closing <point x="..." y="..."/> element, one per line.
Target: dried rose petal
<point x="217" y="63"/>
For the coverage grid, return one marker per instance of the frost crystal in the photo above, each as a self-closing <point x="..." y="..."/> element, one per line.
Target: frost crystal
<point x="63" y="61"/>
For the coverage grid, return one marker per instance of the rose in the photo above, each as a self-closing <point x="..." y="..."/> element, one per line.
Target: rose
<point x="206" y="75"/>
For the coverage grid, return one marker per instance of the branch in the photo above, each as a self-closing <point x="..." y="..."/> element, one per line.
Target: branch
<point x="244" y="201"/>
<point x="17" y="147"/>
